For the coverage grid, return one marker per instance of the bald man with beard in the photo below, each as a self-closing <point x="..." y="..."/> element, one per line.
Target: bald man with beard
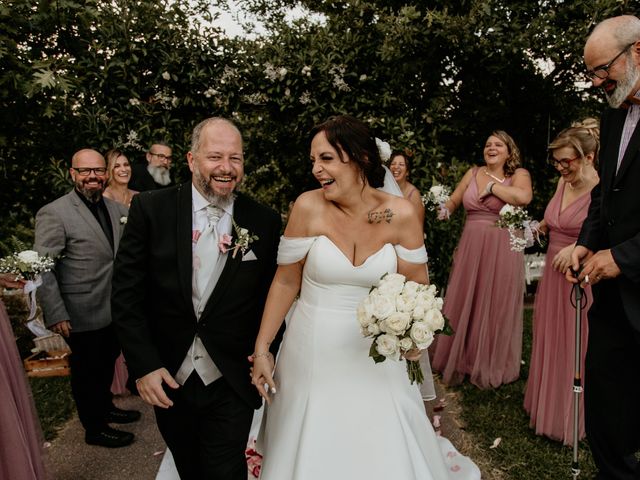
<point x="608" y="249"/>
<point x="82" y="231"/>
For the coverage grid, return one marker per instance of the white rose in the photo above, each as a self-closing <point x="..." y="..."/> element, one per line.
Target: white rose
<point x="424" y="303"/>
<point x="396" y="323"/>
<point x="365" y="317"/>
<point x="436" y="190"/>
<point x="405" y="303"/>
<point x="392" y="284"/>
<point x="282" y="72"/>
<point x="28" y="256"/>
<point x="388" y="346"/>
<point x="166" y="75"/>
<point x="507" y="209"/>
<point x="434" y="320"/>
<point x="406" y="344"/>
<point x="411" y="288"/>
<point x="421" y="335"/>
<point x="382" y="306"/>
<point x="373" y="329"/>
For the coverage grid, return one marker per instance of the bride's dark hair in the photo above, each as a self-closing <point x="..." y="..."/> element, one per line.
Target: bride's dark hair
<point x="350" y="136"/>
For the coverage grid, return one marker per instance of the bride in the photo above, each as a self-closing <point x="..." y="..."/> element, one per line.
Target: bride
<point x="332" y="412"/>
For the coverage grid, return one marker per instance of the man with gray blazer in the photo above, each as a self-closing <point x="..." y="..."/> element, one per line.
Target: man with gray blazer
<point x="82" y="230"/>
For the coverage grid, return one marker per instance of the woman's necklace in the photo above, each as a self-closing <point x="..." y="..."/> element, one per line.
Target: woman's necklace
<point x="499" y="180"/>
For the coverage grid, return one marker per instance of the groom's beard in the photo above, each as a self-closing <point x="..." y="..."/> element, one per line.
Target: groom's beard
<point x="161" y="175"/>
<point x="208" y="192"/>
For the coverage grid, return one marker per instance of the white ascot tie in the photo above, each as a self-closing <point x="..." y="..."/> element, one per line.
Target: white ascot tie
<point x="207" y="250"/>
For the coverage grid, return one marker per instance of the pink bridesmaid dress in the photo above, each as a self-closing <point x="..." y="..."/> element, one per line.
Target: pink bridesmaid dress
<point x="483" y="301"/>
<point x="21" y="452"/>
<point x="120" y="377"/>
<point x="549" y="396"/>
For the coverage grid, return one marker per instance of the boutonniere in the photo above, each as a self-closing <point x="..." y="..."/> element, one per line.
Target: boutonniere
<point x="123" y="220"/>
<point x="243" y="239"/>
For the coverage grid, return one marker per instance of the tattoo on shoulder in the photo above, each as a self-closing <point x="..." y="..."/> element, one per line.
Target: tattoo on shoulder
<point x="377" y="217"/>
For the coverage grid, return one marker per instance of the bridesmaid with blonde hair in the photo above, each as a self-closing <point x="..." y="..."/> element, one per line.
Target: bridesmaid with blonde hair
<point x="548" y="397"/>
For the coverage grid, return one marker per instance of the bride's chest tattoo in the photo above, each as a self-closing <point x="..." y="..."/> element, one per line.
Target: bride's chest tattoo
<point x="380" y="216"/>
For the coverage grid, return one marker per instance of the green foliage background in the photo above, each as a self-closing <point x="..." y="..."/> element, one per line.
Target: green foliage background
<point x="435" y="77"/>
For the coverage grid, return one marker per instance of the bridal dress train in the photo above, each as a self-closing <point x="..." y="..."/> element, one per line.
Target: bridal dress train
<point x="338" y="415"/>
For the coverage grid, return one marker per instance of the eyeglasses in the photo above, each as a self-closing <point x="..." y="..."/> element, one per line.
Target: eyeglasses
<point x="602" y="71"/>
<point x="564" y="162"/>
<point x="84" y="171"/>
<point x="162" y="156"/>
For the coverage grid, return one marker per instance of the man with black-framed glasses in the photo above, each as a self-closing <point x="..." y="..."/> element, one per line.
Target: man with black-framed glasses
<point x="156" y="172"/>
<point x="608" y="250"/>
<point x="82" y="231"/>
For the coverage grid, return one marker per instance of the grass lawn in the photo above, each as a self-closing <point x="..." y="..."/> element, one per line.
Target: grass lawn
<point x="54" y="403"/>
<point x="521" y="455"/>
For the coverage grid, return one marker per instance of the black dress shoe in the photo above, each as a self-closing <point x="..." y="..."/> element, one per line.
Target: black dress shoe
<point x="117" y="415"/>
<point x="109" y="437"/>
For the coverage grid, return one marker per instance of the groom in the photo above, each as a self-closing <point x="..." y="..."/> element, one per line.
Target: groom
<point x="188" y="294"/>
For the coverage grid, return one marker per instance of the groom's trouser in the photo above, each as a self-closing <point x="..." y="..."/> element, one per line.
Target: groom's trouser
<point x="612" y="386"/>
<point x="92" y="361"/>
<point x="206" y="429"/>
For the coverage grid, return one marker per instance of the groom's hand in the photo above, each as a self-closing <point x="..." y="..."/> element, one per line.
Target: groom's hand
<point x="150" y="388"/>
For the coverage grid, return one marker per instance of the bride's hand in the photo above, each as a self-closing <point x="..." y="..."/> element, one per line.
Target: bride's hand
<point x="262" y="373"/>
<point x="413" y="355"/>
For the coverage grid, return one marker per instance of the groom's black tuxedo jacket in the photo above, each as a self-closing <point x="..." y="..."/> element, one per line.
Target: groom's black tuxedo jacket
<point x="151" y="297"/>
<point x="613" y="220"/>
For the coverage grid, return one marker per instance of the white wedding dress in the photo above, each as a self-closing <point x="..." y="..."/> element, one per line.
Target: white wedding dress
<point x="336" y="414"/>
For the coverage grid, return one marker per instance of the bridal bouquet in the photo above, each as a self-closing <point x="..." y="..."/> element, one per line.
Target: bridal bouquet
<point x="401" y="315"/>
<point x="436" y="197"/>
<point x="28" y="265"/>
<point x="523" y="231"/>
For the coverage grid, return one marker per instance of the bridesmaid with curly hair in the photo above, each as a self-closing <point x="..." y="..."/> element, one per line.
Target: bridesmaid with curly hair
<point x="484" y="298"/>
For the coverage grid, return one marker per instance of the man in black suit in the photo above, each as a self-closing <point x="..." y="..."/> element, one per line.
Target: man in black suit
<point x="190" y="281"/>
<point x="609" y="250"/>
<point x="156" y="173"/>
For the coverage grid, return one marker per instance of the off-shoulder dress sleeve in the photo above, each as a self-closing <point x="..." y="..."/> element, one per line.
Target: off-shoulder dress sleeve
<point x="417" y="255"/>
<point x="293" y="249"/>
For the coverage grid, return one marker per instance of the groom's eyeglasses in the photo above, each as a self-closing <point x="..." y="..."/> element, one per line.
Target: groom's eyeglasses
<point x="84" y="171"/>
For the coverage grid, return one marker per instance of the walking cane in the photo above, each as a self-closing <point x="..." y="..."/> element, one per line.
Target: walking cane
<point x="577" y="298"/>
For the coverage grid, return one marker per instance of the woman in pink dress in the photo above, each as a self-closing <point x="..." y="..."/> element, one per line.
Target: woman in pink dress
<point x="119" y="174"/>
<point x="484" y="298"/>
<point x="549" y="397"/>
<point x="21" y="455"/>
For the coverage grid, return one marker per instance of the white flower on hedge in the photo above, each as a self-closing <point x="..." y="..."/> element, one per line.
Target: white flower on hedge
<point x="306" y="70"/>
<point x="305" y="98"/>
<point x="388" y="346"/>
<point x="363" y="77"/>
<point x="434" y="319"/>
<point x="406" y="344"/>
<point x="134" y="101"/>
<point x="391" y="284"/>
<point x="282" y="72"/>
<point x="28" y="256"/>
<point x="166" y="75"/>
<point x="421" y="334"/>
<point x="382" y="306"/>
<point x="396" y="323"/>
<point x="210" y="92"/>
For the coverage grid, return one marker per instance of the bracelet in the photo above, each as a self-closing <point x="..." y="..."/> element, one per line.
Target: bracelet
<point x="261" y="354"/>
<point x="489" y="188"/>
